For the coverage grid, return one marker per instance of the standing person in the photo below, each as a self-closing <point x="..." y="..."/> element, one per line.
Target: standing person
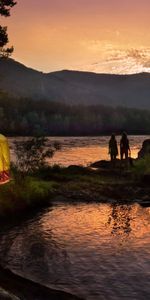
<point x="113" y="148"/>
<point x="124" y="147"/>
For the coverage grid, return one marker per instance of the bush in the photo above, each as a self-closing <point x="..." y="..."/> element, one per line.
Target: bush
<point x="33" y="153"/>
<point x="142" y="167"/>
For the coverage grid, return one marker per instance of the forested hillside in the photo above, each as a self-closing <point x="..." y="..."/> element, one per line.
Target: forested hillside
<point x="29" y="117"/>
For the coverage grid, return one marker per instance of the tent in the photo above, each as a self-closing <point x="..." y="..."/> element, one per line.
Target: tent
<point x="4" y="160"/>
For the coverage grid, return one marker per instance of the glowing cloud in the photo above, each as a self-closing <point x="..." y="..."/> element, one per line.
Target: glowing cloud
<point x="97" y="35"/>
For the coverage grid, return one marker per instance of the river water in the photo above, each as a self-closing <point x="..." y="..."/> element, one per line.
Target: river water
<point x="96" y="251"/>
<point x="84" y="150"/>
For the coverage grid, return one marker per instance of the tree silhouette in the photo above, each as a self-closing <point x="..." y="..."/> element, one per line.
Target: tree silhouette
<point x="5" y="6"/>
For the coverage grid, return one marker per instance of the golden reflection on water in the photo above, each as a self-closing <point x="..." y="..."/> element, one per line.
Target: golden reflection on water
<point x="95" y="251"/>
<point x="121" y="219"/>
<point x="97" y="224"/>
<point x="83" y="150"/>
<point x="84" y="155"/>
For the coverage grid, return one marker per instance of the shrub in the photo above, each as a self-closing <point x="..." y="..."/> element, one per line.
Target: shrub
<point x="32" y="154"/>
<point x="142" y="167"/>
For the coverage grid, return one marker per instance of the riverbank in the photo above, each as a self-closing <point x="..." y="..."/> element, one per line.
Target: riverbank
<point x="75" y="183"/>
<point x="27" y="193"/>
<point x="14" y="287"/>
<point x="105" y="186"/>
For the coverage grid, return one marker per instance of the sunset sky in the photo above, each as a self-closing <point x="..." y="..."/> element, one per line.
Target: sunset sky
<point x="104" y="36"/>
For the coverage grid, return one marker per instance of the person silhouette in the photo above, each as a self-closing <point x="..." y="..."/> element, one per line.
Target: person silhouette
<point x="124" y="147"/>
<point x="113" y="148"/>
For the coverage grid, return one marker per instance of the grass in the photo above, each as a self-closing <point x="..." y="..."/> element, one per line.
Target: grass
<point x="26" y="192"/>
<point x="29" y="191"/>
<point x="141" y="168"/>
<point x="17" y="196"/>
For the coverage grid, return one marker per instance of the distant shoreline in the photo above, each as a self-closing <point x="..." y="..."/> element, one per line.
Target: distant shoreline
<point x="80" y="136"/>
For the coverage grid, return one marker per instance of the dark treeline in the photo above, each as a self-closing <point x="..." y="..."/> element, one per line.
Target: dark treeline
<point x="30" y="117"/>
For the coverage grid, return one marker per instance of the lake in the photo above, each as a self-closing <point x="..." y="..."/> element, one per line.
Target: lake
<point x="96" y="251"/>
<point x="84" y="150"/>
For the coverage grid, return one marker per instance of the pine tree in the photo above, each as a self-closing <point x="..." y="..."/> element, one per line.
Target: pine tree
<point x="5" y="6"/>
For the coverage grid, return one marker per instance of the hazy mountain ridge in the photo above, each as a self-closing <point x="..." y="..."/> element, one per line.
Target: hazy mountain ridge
<point x="75" y="87"/>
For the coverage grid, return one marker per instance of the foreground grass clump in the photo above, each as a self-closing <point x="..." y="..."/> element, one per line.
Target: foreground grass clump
<point x="27" y="190"/>
<point x="141" y="168"/>
<point x="18" y="195"/>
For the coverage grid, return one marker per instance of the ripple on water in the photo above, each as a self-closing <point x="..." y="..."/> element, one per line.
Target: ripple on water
<point x="97" y="251"/>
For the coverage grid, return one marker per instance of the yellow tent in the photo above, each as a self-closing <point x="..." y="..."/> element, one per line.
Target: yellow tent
<point x="4" y="159"/>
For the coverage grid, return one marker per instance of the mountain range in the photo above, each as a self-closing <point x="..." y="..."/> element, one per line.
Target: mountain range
<point x="75" y="87"/>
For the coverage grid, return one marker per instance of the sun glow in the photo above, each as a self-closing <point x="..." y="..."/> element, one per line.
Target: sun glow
<point x="100" y="36"/>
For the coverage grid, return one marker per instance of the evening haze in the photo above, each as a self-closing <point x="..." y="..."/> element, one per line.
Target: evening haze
<point x="103" y="36"/>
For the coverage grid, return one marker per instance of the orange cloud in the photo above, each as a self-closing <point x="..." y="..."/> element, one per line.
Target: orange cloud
<point x="50" y="35"/>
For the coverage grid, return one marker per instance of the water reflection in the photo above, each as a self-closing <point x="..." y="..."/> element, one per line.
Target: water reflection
<point x="120" y="219"/>
<point x="96" y="251"/>
<point x="84" y="150"/>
